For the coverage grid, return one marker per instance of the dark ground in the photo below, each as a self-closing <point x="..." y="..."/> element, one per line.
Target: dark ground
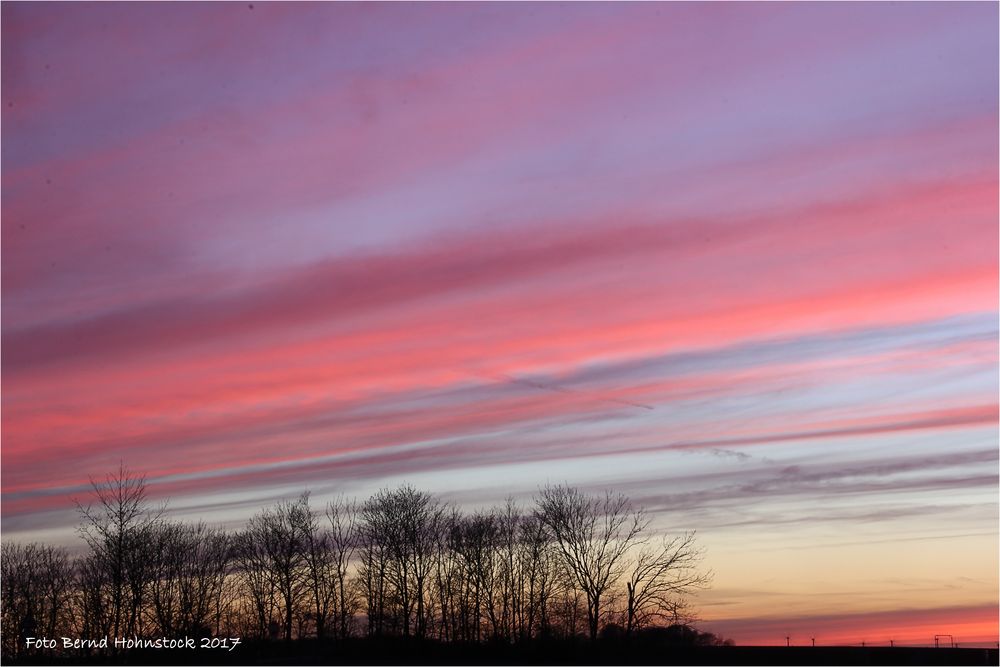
<point x="396" y="652"/>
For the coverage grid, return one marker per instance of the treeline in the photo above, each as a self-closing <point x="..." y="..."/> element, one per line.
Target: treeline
<point x="399" y="564"/>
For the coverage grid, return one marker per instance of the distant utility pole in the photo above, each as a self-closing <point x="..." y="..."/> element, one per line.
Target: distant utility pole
<point x="788" y="641"/>
<point x="891" y="644"/>
<point x="813" y="641"/>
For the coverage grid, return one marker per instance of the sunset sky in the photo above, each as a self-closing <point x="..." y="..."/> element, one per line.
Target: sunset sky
<point x="738" y="261"/>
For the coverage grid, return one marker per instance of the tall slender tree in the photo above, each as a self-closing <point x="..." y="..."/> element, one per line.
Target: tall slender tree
<point x="118" y="526"/>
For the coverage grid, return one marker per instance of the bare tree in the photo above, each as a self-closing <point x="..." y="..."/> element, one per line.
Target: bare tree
<point x="319" y="565"/>
<point x="168" y="554"/>
<point x="94" y="597"/>
<point x="593" y="534"/>
<point x="117" y="527"/>
<point x="258" y="586"/>
<point x="539" y="565"/>
<point x="36" y="583"/>
<point x="343" y="541"/>
<point x="449" y="582"/>
<point x="189" y="566"/>
<point x="660" y="580"/>
<point x="474" y="541"/>
<point x="510" y="594"/>
<point x="400" y="528"/>
<point x="423" y="521"/>
<point x="373" y="568"/>
<point x="276" y="543"/>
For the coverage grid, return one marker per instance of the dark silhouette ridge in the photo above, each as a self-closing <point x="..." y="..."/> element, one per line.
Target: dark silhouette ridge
<point x="580" y="651"/>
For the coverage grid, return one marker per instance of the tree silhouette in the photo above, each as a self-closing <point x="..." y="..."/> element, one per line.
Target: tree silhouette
<point x="660" y="580"/>
<point x="118" y="528"/>
<point x="342" y="542"/>
<point x="189" y="566"/>
<point x="36" y="585"/>
<point x="400" y="563"/>
<point x="594" y="534"/>
<point x="276" y="540"/>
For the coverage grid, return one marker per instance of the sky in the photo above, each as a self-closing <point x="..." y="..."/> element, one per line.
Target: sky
<point x="737" y="261"/>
